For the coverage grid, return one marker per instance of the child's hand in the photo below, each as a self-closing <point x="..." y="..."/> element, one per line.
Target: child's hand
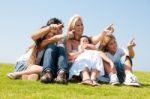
<point x="131" y="43"/>
<point x="109" y="29"/>
<point x="81" y="49"/>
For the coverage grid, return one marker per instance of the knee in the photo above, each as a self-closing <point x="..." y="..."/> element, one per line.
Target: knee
<point x="50" y="48"/>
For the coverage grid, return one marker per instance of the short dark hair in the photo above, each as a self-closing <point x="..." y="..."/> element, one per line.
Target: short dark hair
<point x="54" y="21"/>
<point x="89" y="39"/>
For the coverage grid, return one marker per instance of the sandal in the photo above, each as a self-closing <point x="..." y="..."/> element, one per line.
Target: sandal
<point x="95" y="83"/>
<point x="87" y="82"/>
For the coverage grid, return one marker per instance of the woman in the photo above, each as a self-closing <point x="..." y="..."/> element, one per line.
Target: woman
<point x="76" y="25"/>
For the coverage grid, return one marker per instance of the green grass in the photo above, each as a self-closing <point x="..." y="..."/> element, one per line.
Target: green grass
<point x="21" y="89"/>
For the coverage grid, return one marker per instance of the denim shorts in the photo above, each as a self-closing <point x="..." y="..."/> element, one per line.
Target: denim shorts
<point x="20" y="66"/>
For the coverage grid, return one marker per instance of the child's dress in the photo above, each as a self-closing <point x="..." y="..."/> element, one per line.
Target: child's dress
<point x="90" y="59"/>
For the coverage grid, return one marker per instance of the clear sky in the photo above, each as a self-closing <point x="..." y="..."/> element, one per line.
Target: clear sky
<point x="131" y="18"/>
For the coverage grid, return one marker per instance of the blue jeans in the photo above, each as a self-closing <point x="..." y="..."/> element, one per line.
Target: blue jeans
<point x="55" y="58"/>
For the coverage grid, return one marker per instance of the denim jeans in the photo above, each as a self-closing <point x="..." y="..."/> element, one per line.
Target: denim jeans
<point x="55" y="58"/>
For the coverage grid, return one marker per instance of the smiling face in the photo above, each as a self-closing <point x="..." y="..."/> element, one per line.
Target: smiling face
<point x="78" y="27"/>
<point x="112" y="46"/>
<point x="76" y="24"/>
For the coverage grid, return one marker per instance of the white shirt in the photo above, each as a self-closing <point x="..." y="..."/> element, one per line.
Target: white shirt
<point x="117" y="56"/>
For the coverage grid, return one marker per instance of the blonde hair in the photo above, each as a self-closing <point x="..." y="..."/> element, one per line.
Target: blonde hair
<point x="107" y="38"/>
<point x="72" y="21"/>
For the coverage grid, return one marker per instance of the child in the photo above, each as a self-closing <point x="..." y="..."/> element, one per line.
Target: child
<point x="124" y="71"/>
<point x="85" y="44"/>
<point x="89" y="63"/>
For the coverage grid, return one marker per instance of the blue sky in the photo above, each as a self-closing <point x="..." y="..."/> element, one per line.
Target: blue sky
<point x="131" y="18"/>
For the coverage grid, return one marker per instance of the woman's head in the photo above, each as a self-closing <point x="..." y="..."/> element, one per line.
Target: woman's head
<point x="76" y="24"/>
<point x="85" y="40"/>
<point x="109" y="43"/>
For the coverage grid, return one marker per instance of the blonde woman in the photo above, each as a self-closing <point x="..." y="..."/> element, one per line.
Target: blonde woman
<point x="76" y="27"/>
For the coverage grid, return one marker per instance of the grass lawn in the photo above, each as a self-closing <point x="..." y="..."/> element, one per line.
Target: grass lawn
<point x="22" y="89"/>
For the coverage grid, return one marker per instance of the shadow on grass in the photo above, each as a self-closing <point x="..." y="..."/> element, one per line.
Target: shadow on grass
<point x="143" y="85"/>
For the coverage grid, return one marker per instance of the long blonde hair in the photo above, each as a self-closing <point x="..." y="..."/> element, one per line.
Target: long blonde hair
<point x="107" y="38"/>
<point x="72" y="21"/>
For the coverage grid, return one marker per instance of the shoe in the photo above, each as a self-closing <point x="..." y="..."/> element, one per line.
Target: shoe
<point x="13" y="76"/>
<point x="103" y="79"/>
<point x="47" y="77"/>
<point x="114" y="79"/>
<point x="61" y="77"/>
<point x="131" y="80"/>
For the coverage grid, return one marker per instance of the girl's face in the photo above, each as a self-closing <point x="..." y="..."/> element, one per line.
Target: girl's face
<point x="112" y="46"/>
<point x="78" y="27"/>
<point x="84" y="40"/>
<point x="49" y="35"/>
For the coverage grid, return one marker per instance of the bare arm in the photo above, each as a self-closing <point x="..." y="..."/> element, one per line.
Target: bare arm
<point x="53" y="39"/>
<point x="100" y="36"/>
<point x="72" y="55"/>
<point x="43" y="31"/>
<point x="91" y="46"/>
<point x="40" y="33"/>
<point x="105" y="58"/>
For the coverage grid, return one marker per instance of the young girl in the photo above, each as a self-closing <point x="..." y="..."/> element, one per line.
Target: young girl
<point x="89" y="60"/>
<point x="124" y="71"/>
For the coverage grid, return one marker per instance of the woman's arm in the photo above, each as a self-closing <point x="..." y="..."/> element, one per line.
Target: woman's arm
<point x="72" y="55"/>
<point x="53" y="39"/>
<point x="100" y="36"/>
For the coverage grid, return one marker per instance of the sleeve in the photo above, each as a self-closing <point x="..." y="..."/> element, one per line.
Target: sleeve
<point x="121" y="51"/>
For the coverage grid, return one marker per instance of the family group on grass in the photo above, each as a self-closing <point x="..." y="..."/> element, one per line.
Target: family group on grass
<point x="61" y="57"/>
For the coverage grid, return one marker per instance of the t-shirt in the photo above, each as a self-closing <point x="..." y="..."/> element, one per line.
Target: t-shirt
<point x="117" y="56"/>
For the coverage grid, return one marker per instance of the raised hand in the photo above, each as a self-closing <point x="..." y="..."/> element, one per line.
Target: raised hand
<point x="131" y="43"/>
<point x="54" y="28"/>
<point x="109" y="28"/>
<point x="70" y="34"/>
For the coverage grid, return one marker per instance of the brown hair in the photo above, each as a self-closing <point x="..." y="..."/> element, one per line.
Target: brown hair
<point x="89" y="39"/>
<point x="107" y="38"/>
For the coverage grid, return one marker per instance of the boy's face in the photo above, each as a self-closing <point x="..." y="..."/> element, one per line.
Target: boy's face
<point x="84" y="40"/>
<point x="49" y="35"/>
<point x="112" y="46"/>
